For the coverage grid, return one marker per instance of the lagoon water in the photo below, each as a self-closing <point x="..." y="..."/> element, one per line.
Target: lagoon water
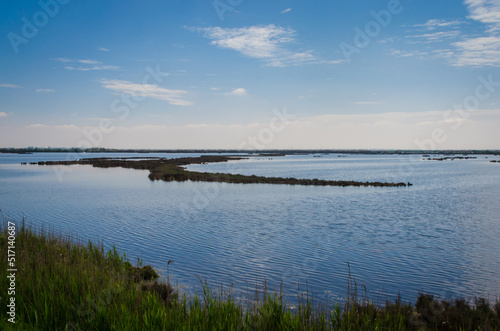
<point x="439" y="236"/>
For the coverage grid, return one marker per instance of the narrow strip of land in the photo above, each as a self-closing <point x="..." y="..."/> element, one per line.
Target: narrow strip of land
<point x="78" y="150"/>
<point x="172" y="170"/>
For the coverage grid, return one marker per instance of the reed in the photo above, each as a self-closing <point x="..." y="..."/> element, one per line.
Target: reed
<point x="63" y="283"/>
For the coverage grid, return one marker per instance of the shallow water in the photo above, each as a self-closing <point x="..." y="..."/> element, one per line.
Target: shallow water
<point x="438" y="236"/>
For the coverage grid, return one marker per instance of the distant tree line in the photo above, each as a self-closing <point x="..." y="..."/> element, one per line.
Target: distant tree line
<point x="270" y="152"/>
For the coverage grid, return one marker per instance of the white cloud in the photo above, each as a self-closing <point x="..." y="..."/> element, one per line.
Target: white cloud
<point x="10" y="86"/>
<point x="102" y="49"/>
<point x="255" y="41"/>
<point x="485" y="11"/>
<point x="442" y="53"/>
<point x="483" y="51"/>
<point x="3" y="114"/>
<point x="435" y="23"/>
<point x="465" y="50"/>
<point x="239" y="92"/>
<point x="89" y="62"/>
<point x="265" y="42"/>
<point x="63" y="59"/>
<point x="286" y="11"/>
<point x="433" y="31"/>
<point x="174" y="97"/>
<point x="403" y="53"/>
<point x="98" y="67"/>
<point x="45" y="90"/>
<point x="85" y="65"/>
<point x="436" y="36"/>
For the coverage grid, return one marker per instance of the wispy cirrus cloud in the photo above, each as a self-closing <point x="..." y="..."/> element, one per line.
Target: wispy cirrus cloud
<point x="85" y="64"/>
<point x="63" y="59"/>
<point x="436" y="23"/>
<point x="237" y="92"/>
<point x="269" y="43"/>
<point x="89" y="62"/>
<point x="433" y="31"/>
<point x="174" y="97"/>
<point x="405" y="53"/>
<point x="3" y="114"/>
<point x="483" y="50"/>
<point x="286" y="11"/>
<point x="44" y="90"/>
<point x="460" y="49"/>
<point x="96" y="67"/>
<point x="438" y="36"/>
<point x="10" y="86"/>
<point x="485" y="11"/>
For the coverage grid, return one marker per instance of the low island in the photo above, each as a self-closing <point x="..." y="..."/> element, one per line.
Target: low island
<point x="173" y="170"/>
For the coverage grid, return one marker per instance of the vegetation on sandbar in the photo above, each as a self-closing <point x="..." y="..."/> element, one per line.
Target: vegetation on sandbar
<point x="451" y="158"/>
<point x="64" y="284"/>
<point x="172" y="170"/>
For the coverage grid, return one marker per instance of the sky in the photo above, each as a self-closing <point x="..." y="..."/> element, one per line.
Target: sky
<point x="227" y="74"/>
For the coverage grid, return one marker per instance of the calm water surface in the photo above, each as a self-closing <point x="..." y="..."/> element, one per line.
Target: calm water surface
<point x="440" y="236"/>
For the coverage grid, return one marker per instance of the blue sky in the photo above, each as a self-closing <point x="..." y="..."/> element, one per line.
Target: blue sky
<point x="250" y="74"/>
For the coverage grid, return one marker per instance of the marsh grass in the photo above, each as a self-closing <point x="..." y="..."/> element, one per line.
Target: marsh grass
<point x="66" y="284"/>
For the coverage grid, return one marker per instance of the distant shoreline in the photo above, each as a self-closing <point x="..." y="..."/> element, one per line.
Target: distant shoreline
<point x="30" y="150"/>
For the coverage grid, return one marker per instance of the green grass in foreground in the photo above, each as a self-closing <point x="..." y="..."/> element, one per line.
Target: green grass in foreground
<point x="63" y="285"/>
